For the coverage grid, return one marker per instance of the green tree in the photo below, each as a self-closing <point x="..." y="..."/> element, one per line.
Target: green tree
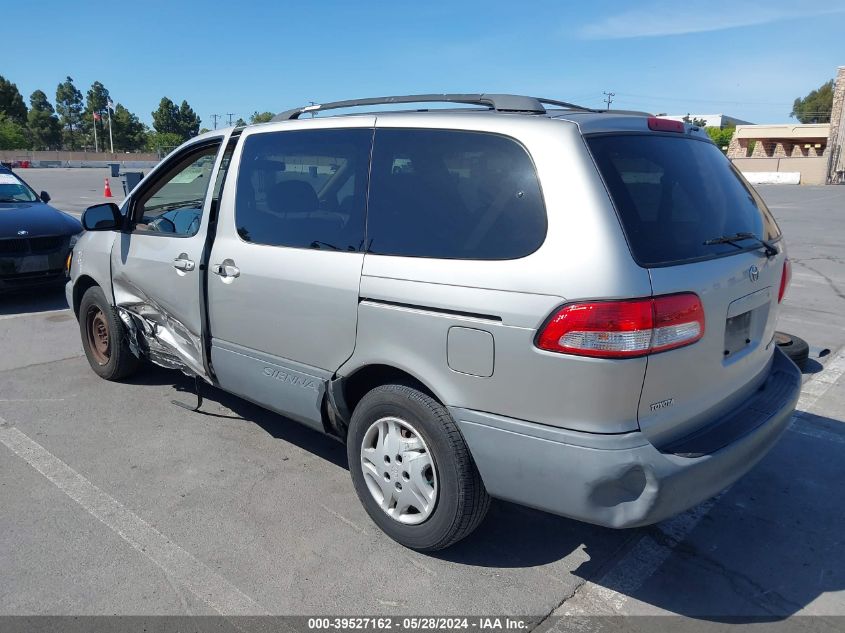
<point x="721" y="137"/>
<point x="13" y="135"/>
<point x="261" y="117"/>
<point x="11" y="102"/>
<point x="240" y="122"/>
<point x="130" y="135"/>
<point x="694" y="121"/>
<point x="163" y="142"/>
<point x="189" y="122"/>
<point x="816" y="106"/>
<point x="69" y="107"/>
<point x="44" y="126"/>
<point x="96" y="101"/>
<point x="166" y="118"/>
<point x="182" y="120"/>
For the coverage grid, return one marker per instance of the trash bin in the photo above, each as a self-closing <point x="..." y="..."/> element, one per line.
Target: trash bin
<point x="130" y="179"/>
<point x="115" y="169"/>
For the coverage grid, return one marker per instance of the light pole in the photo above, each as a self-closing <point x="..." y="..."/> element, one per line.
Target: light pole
<point x="109" y="106"/>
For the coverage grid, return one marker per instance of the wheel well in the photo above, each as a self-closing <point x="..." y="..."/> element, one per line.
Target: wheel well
<point x="80" y="287"/>
<point x="357" y="385"/>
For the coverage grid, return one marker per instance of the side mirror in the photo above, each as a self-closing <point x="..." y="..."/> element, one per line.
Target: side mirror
<point x="45" y="197"/>
<point x="102" y="217"/>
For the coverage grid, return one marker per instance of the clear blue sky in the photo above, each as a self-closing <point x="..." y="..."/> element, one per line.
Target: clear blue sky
<point x="747" y="59"/>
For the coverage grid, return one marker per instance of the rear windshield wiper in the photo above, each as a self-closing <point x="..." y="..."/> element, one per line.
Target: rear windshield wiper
<point x="319" y="244"/>
<point x="771" y="251"/>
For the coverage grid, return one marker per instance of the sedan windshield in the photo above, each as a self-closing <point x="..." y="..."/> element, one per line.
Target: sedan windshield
<point x="12" y="189"/>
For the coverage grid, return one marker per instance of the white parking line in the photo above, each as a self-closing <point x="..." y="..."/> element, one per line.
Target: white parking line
<point x="824" y="380"/>
<point x="3" y="317"/>
<point x="608" y="595"/>
<point x="179" y="566"/>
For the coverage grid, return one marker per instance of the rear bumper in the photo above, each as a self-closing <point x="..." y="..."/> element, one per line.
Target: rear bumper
<point x="623" y="480"/>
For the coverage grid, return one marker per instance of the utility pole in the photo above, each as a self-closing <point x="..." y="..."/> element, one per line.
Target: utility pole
<point x="230" y="115"/>
<point x="609" y="98"/>
<point x="215" y="117"/>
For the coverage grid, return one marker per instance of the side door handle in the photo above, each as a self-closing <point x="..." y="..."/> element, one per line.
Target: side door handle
<point x="183" y="263"/>
<point x="226" y="269"/>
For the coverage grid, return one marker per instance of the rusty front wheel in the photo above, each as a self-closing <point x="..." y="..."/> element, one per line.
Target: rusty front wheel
<point x="104" y="337"/>
<point x="97" y="327"/>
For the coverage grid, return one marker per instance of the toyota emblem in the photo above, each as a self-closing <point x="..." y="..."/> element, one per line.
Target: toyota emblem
<point x="23" y="232"/>
<point x="754" y="273"/>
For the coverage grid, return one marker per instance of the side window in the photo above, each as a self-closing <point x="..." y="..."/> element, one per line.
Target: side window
<point x="174" y="203"/>
<point x="453" y="195"/>
<point x="304" y="188"/>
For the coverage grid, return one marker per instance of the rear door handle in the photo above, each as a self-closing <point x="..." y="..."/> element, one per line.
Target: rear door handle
<point x="226" y="270"/>
<point x="183" y="263"/>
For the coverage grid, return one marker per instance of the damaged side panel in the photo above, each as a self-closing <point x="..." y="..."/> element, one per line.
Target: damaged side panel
<point x="159" y="306"/>
<point x="153" y="334"/>
<point x="157" y="264"/>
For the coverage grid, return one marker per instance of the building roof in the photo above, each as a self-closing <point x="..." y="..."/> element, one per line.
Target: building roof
<point x="805" y="131"/>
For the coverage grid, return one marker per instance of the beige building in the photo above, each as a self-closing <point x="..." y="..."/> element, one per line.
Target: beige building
<point x="779" y="141"/>
<point x="810" y="154"/>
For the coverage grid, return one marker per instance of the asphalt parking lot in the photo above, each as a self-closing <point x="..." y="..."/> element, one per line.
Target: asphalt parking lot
<point x="115" y="501"/>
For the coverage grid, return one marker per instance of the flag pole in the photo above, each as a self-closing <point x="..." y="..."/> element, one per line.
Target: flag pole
<point x="94" y="116"/>
<point x="108" y="110"/>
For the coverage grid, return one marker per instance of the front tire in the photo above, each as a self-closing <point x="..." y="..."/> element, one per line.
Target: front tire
<point x="104" y="337"/>
<point x="412" y="469"/>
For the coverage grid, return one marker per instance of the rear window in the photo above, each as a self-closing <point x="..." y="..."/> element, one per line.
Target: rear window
<point x="673" y="193"/>
<point x="453" y="195"/>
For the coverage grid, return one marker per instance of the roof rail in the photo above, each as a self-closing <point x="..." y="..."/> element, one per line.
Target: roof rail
<point x="497" y="102"/>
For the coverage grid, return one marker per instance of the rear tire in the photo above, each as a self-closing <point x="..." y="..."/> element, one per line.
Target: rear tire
<point x="452" y="498"/>
<point x="104" y="337"/>
<point x="796" y="348"/>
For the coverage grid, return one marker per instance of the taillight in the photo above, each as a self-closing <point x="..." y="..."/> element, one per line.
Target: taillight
<point x="785" y="278"/>
<point x="624" y="329"/>
<point x="664" y="125"/>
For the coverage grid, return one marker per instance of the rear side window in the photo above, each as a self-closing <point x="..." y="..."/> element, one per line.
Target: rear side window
<point x="304" y="188"/>
<point x="673" y="193"/>
<point x="454" y="195"/>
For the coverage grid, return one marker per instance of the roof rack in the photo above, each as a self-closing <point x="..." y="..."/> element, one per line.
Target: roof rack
<point x="497" y="102"/>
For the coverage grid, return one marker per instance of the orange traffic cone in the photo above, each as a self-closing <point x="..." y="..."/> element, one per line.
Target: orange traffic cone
<point x="107" y="190"/>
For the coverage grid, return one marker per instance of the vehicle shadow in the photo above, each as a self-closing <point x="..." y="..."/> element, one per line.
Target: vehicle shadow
<point x="770" y="546"/>
<point x="543" y="538"/>
<point x="811" y="366"/>
<point x="35" y="300"/>
<point x="219" y="404"/>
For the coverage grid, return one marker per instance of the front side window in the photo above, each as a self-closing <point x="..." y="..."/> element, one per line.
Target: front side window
<point x="173" y="205"/>
<point x="453" y="195"/>
<point x="304" y="188"/>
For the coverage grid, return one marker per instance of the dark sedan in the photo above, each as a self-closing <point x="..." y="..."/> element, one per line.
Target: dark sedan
<point x="35" y="238"/>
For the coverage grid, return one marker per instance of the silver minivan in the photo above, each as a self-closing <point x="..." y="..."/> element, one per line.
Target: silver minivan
<point x="513" y="298"/>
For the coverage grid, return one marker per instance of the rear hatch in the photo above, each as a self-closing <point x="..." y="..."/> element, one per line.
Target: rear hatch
<point x="676" y="194"/>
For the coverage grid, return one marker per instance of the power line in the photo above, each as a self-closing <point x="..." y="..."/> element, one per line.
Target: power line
<point x="609" y="98"/>
<point x="693" y="100"/>
<point x="215" y="117"/>
<point x="230" y="115"/>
